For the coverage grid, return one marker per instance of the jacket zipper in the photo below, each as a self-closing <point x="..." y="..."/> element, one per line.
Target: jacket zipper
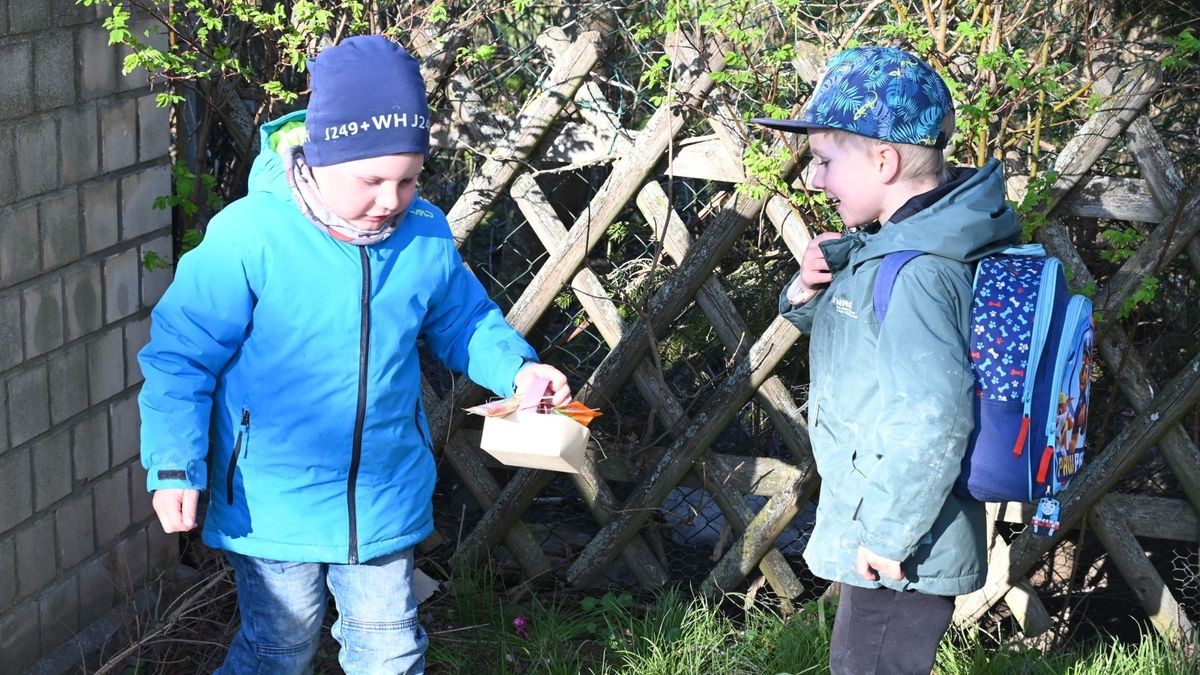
<point x="237" y="449"/>
<point x="364" y="348"/>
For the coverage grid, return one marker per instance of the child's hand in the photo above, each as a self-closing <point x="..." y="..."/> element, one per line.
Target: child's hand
<point x="559" y="389"/>
<point x="176" y="509"/>
<point x="814" y="271"/>
<point x="871" y="565"/>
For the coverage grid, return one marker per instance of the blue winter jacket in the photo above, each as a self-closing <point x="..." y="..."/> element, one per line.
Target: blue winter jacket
<point x="282" y="375"/>
<point x="889" y="408"/>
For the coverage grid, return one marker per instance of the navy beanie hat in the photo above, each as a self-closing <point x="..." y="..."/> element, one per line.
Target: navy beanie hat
<point x="368" y="100"/>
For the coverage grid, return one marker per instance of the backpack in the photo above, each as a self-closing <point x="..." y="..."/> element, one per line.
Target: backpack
<point x="1031" y="353"/>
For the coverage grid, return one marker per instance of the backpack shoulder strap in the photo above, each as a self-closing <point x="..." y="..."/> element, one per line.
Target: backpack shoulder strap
<point x="885" y="279"/>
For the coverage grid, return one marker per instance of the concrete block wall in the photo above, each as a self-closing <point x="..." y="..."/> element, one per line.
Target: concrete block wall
<point x="83" y="154"/>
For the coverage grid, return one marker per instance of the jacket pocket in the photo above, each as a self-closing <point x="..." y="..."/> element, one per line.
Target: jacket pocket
<point x="240" y="446"/>
<point x="861" y="469"/>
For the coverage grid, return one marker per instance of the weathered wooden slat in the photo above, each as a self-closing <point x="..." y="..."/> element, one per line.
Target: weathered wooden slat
<point x="1129" y="98"/>
<point x="763" y="476"/>
<point x="626" y="178"/>
<point x="773" y="395"/>
<point x="1154" y="517"/>
<point x="1114" y="199"/>
<point x="505" y="512"/>
<point x="537" y="114"/>
<point x="470" y="124"/>
<point x="1146" y="146"/>
<point x="971" y="607"/>
<point x="596" y="493"/>
<point x="602" y="311"/>
<point x="1027" y="608"/>
<point x="666" y="304"/>
<point x="757" y="538"/>
<point x="738" y="387"/>
<point x="437" y="50"/>
<point x="728" y="325"/>
<point x="534" y="119"/>
<point x="1164" y="243"/>
<point x="1021" y="599"/>
<point x="1157" y="517"/>
<point x="576" y="145"/>
<point x="705" y="158"/>
<point x="1110" y="527"/>
<point x="469" y="467"/>
<point x="478" y="480"/>
<point x="1160" y="172"/>
<point x="781" y="409"/>
<point x="623" y="182"/>
<point x="790" y="226"/>
<point x="1176" y="399"/>
<point x="738" y="514"/>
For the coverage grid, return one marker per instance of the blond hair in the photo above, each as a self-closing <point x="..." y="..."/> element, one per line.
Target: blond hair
<point x="916" y="161"/>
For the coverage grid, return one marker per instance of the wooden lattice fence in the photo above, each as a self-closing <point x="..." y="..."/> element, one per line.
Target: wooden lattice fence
<point x="1159" y="196"/>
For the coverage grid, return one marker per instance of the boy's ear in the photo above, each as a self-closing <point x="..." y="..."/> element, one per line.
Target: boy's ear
<point x="887" y="162"/>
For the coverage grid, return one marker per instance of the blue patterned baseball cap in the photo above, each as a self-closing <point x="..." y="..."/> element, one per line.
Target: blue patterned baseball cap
<point x="878" y="92"/>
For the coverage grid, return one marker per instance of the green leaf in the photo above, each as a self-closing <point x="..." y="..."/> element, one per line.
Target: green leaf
<point x="153" y="261"/>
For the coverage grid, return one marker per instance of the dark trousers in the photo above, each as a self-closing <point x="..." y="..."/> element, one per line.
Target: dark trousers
<point x="881" y="631"/>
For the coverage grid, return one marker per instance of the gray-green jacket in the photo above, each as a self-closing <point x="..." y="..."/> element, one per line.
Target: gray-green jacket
<point x="889" y="406"/>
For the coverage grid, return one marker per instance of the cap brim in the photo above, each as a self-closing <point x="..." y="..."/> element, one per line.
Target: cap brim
<point x="794" y="126"/>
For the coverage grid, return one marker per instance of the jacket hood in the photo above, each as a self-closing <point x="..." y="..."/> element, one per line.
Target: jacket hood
<point x="267" y="173"/>
<point x="971" y="220"/>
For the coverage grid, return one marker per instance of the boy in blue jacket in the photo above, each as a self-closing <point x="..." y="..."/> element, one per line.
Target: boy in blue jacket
<point x="889" y="406"/>
<point x="282" y="372"/>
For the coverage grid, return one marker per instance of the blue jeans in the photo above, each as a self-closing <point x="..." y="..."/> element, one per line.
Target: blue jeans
<point x="282" y="606"/>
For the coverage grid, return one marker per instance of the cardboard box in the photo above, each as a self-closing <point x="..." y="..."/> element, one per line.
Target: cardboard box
<point x="536" y="440"/>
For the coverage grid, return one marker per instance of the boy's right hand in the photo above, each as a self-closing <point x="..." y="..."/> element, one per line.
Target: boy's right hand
<point x="176" y="509"/>
<point x="814" y="271"/>
<point x="870" y="566"/>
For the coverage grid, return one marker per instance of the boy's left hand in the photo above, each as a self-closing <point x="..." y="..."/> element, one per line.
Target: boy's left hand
<point x="871" y="566"/>
<point x="559" y="390"/>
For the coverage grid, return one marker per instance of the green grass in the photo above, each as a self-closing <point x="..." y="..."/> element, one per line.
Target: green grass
<point x="472" y="632"/>
<point x="964" y="654"/>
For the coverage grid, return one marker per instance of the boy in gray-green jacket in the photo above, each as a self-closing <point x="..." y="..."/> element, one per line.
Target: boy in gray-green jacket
<point x="889" y="405"/>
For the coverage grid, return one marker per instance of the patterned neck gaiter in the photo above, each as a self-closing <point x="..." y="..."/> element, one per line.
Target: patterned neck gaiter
<point x="313" y="206"/>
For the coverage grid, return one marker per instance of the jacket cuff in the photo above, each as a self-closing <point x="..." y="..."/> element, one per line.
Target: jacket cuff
<point x="798" y="294"/>
<point x="887" y="548"/>
<point x="517" y="361"/>
<point x="193" y="476"/>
